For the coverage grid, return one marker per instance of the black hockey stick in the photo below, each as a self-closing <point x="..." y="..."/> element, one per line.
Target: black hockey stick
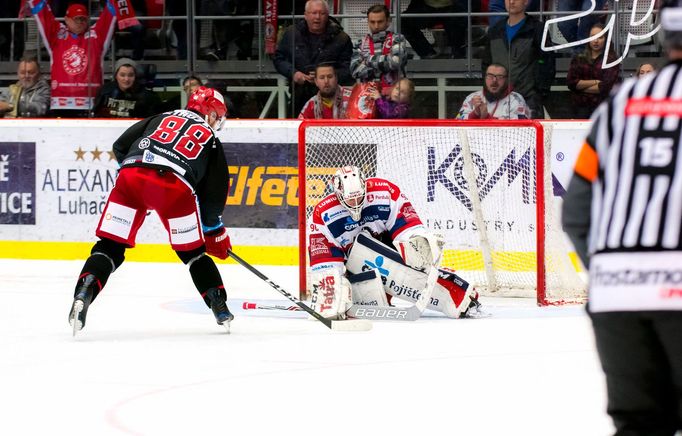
<point x="348" y="325"/>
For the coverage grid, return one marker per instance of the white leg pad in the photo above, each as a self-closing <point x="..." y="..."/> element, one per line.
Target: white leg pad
<point x="368" y="290"/>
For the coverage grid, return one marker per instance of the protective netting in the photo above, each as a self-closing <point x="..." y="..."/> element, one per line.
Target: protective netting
<point x="491" y="242"/>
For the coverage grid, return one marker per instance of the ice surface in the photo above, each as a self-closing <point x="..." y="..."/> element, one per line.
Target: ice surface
<point x="152" y="361"/>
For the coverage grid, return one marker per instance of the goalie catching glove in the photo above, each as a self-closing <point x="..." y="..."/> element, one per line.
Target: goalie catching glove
<point x="421" y="252"/>
<point x="217" y="243"/>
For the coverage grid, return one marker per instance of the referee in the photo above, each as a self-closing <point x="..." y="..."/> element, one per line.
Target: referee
<point x="623" y="211"/>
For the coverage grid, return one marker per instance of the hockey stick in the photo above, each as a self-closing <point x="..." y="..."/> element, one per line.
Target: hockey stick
<point x="344" y="325"/>
<point x="248" y="306"/>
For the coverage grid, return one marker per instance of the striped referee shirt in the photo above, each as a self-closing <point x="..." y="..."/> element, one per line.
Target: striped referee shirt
<point x="632" y="159"/>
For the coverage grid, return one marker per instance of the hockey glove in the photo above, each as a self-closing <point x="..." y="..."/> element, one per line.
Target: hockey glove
<point x="421" y="252"/>
<point x="217" y="243"/>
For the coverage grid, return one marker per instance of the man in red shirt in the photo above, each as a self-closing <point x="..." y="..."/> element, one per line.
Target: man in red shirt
<point x="76" y="51"/>
<point x="331" y="100"/>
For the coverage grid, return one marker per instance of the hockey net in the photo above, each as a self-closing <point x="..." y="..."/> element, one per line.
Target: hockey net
<point x="472" y="182"/>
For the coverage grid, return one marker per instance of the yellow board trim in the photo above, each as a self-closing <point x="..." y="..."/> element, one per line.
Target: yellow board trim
<point x="470" y="260"/>
<point x="259" y="255"/>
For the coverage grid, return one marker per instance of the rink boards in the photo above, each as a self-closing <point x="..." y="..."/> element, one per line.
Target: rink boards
<point x="55" y="176"/>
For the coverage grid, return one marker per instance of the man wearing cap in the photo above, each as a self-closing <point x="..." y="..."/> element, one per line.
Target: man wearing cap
<point x="76" y="51"/>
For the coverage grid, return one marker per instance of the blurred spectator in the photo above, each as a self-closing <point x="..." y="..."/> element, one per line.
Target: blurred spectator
<point x="496" y="100"/>
<point x="499" y="6"/>
<point x="11" y="34"/>
<point x="455" y="27"/>
<point x="516" y="44"/>
<point x="396" y="103"/>
<point x="331" y="100"/>
<point x="645" y="69"/>
<point x="179" y="26"/>
<point x="76" y="52"/>
<point x="579" y="29"/>
<point x="124" y="97"/>
<point x="380" y="56"/>
<point x="30" y="96"/>
<point x="316" y="39"/>
<point x="226" y="31"/>
<point x="190" y="84"/>
<point x="588" y="82"/>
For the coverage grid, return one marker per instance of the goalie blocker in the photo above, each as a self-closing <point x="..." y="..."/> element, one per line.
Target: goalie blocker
<point x="374" y="270"/>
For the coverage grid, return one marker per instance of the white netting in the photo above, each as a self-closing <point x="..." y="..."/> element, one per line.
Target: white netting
<point x="431" y="166"/>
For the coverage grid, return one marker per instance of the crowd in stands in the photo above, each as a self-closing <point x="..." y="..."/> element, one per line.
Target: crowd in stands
<point x="329" y="74"/>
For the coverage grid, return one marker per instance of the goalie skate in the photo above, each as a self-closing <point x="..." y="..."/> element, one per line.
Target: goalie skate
<point x="475" y="309"/>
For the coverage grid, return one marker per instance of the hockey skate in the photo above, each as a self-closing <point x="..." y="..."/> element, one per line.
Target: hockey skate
<point x="217" y="300"/>
<point x="475" y="309"/>
<point x="85" y="291"/>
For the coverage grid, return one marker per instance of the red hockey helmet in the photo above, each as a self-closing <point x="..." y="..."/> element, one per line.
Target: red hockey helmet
<point x="207" y="101"/>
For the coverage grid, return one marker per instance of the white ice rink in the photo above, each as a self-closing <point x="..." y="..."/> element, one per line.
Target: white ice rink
<point x="152" y="361"/>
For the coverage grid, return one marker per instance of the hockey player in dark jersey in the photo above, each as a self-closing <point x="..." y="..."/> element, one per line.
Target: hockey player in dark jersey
<point x="174" y="164"/>
<point x="623" y="210"/>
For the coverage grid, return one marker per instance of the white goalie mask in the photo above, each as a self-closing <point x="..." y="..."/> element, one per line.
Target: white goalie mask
<point x="349" y="186"/>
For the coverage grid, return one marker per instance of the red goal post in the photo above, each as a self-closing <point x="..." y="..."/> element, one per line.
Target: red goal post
<point x="502" y="234"/>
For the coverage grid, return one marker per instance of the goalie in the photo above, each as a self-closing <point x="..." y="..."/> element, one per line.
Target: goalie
<point x="351" y="233"/>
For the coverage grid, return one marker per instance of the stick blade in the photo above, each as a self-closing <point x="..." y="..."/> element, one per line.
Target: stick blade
<point x="352" y="325"/>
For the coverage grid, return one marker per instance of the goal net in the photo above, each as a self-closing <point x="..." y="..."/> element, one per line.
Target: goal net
<point x="475" y="183"/>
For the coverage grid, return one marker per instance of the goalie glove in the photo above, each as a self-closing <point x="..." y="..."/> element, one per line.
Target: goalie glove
<point x="421" y="252"/>
<point x="217" y="243"/>
<point x="331" y="293"/>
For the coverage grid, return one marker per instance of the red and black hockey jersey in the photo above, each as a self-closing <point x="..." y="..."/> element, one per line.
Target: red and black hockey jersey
<point x="182" y="142"/>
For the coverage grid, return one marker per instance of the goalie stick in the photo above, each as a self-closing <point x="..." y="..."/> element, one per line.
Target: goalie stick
<point x="341" y="325"/>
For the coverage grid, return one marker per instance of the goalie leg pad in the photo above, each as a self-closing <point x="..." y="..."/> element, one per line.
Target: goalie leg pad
<point x="368" y="289"/>
<point x="453" y="293"/>
<point x="331" y="293"/>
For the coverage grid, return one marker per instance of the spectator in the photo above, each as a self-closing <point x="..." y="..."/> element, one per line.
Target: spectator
<point x="190" y="84"/>
<point x="30" y="96"/>
<point x="380" y="56"/>
<point x="516" y="43"/>
<point x="496" y="100"/>
<point x="179" y="26"/>
<point x="455" y="27"/>
<point x="331" y="100"/>
<point x="315" y="40"/>
<point x="226" y="31"/>
<point x="75" y="57"/>
<point x="578" y="29"/>
<point x="396" y="103"/>
<point x="499" y="6"/>
<point x="123" y="97"/>
<point x="644" y="69"/>
<point x="588" y="82"/>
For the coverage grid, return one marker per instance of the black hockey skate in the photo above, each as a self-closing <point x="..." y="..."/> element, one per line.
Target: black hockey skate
<point x="475" y="309"/>
<point x="217" y="299"/>
<point x="85" y="291"/>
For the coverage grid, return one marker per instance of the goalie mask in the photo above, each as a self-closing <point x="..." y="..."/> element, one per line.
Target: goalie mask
<point x="349" y="186"/>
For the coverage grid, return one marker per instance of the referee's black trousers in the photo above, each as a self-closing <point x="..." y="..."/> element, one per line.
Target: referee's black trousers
<point x="641" y="355"/>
